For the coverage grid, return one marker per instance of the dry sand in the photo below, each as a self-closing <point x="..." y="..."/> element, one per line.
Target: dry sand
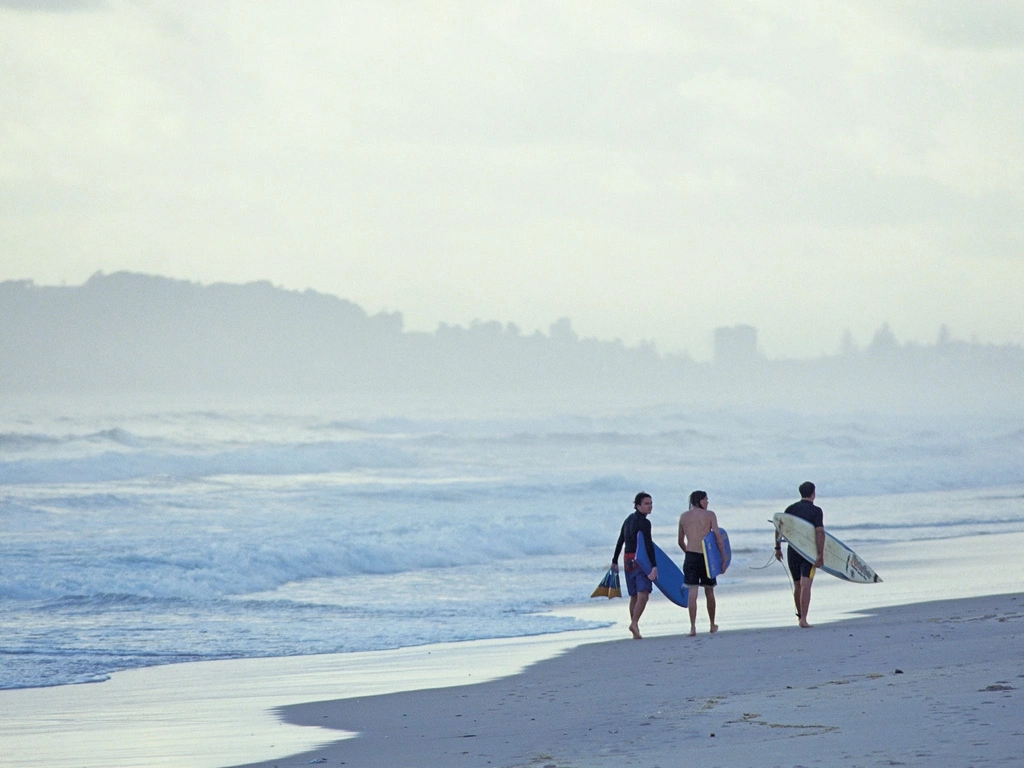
<point x="938" y="683"/>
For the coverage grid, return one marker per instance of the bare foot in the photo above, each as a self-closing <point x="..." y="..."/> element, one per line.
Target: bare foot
<point x="636" y="631"/>
<point x="804" y="624"/>
<point x="714" y="628"/>
<point x="693" y="631"/>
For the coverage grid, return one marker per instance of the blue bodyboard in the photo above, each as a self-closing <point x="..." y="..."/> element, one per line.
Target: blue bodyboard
<point x="712" y="557"/>
<point x="670" y="578"/>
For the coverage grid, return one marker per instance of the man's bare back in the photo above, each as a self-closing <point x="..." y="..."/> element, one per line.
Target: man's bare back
<point x="694" y="525"/>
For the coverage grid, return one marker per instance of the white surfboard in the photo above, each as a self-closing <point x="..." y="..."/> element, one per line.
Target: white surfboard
<point x="840" y="560"/>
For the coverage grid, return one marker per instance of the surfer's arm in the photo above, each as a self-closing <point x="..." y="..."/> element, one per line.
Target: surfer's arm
<point x="778" y="546"/>
<point x="618" y="549"/>
<point x="819" y="539"/>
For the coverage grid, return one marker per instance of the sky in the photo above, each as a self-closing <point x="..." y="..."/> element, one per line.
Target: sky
<point x="650" y="170"/>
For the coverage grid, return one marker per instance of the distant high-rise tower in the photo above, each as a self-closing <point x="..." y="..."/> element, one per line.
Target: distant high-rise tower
<point x="736" y="346"/>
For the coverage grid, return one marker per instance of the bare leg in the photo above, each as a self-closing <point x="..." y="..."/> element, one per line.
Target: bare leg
<point x="636" y="612"/>
<point x="691" y="606"/>
<point x="796" y="598"/>
<point x="709" y="595"/>
<point x="805" y="601"/>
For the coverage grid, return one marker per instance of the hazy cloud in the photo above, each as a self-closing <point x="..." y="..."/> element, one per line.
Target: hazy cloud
<point x="52" y="6"/>
<point x="524" y="162"/>
<point x="984" y="24"/>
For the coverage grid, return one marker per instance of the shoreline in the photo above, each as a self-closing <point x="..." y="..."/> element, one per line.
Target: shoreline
<point x="938" y="682"/>
<point x="249" y="712"/>
<point x="214" y="714"/>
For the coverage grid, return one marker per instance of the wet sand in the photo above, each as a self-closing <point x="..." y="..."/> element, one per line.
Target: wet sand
<point x="937" y="683"/>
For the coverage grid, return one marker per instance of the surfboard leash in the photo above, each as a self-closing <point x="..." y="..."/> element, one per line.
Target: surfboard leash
<point x="762" y="567"/>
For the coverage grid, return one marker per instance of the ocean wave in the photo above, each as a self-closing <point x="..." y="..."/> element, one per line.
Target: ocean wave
<point x="938" y="520"/>
<point x="287" y="459"/>
<point x="1013" y="439"/>
<point x="17" y="441"/>
<point x="118" y="436"/>
<point x="121" y="559"/>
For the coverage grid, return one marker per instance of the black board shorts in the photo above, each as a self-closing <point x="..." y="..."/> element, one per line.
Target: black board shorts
<point x="695" y="571"/>
<point x="799" y="566"/>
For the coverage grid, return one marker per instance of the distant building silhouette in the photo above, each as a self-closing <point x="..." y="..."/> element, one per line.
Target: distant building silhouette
<point x="735" y="346"/>
<point x="884" y="339"/>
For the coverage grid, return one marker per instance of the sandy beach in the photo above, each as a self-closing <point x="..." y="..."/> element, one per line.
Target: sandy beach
<point x="937" y="683"/>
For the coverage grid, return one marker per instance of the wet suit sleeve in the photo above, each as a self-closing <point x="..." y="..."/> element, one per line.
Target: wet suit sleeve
<point x="645" y="526"/>
<point x="619" y="543"/>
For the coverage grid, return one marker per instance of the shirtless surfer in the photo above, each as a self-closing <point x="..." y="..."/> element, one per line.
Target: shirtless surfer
<point x="694" y="525"/>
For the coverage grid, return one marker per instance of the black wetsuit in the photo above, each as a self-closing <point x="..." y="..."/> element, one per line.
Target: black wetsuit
<point x="632" y="525"/>
<point x="799" y="566"/>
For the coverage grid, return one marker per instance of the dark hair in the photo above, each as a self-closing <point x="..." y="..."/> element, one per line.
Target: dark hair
<point x="640" y="498"/>
<point x="697" y="497"/>
<point x="806" y="489"/>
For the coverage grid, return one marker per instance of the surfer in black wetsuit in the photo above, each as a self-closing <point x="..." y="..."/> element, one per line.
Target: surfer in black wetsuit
<point x="802" y="569"/>
<point x="638" y="585"/>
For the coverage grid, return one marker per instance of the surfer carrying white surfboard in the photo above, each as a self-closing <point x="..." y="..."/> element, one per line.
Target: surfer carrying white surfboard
<point x="638" y="583"/>
<point x="694" y="524"/>
<point x="800" y="567"/>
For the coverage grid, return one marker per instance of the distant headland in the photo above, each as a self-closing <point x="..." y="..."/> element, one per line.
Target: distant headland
<point x="127" y="332"/>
